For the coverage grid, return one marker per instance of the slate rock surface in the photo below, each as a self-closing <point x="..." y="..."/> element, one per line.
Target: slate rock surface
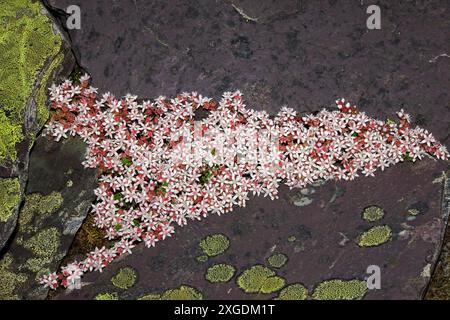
<point x="305" y="55"/>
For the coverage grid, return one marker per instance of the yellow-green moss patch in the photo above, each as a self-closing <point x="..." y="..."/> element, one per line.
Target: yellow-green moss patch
<point x="337" y="289"/>
<point x="277" y="260"/>
<point x="125" y="278"/>
<point x="375" y="236"/>
<point x="260" y="279"/>
<point x="373" y="213"/>
<point x="9" y="197"/>
<point x="220" y="273"/>
<point x="107" y="296"/>
<point x="182" y="293"/>
<point x="294" y="291"/>
<point x="214" y="244"/>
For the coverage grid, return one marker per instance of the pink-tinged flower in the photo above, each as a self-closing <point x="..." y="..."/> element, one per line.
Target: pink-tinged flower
<point x="160" y="166"/>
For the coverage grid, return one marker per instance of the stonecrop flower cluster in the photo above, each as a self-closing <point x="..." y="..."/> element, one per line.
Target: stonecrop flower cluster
<point x="166" y="162"/>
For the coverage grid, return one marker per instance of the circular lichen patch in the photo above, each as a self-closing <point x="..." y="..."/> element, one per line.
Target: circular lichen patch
<point x="107" y="296"/>
<point x="373" y="213"/>
<point x="125" y="278"/>
<point x="337" y="289"/>
<point x="220" y="273"/>
<point x="375" y="236"/>
<point x="260" y="279"/>
<point x="277" y="260"/>
<point x="214" y="244"/>
<point x="294" y="291"/>
<point x="182" y="293"/>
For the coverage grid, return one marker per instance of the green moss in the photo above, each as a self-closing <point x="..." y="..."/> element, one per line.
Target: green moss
<point x="125" y="278"/>
<point x="10" y="134"/>
<point x="9" y="280"/>
<point x="220" y="273"/>
<point x="107" y="296"/>
<point x="375" y="236"/>
<point x="260" y="279"/>
<point x="294" y="291"/>
<point x="373" y="213"/>
<point x="337" y="289"/>
<point x="292" y="238"/>
<point x="45" y="243"/>
<point x="182" y="293"/>
<point x="277" y="260"/>
<point x="40" y="206"/>
<point x="151" y="296"/>
<point x="10" y="197"/>
<point x="214" y="245"/>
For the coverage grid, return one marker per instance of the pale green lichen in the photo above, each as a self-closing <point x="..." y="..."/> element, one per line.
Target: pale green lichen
<point x="37" y="264"/>
<point x="295" y="291"/>
<point x="214" y="245"/>
<point x="28" y="43"/>
<point x="373" y="213"/>
<point x="375" y="236"/>
<point x="220" y="273"/>
<point x="151" y="296"/>
<point x="45" y="243"/>
<point x="107" y="296"/>
<point x="182" y="293"/>
<point x="277" y="260"/>
<point x="9" y="197"/>
<point x="10" y="134"/>
<point x="259" y="279"/>
<point x="9" y="280"/>
<point x="125" y="278"/>
<point x="37" y="205"/>
<point x="338" y="289"/>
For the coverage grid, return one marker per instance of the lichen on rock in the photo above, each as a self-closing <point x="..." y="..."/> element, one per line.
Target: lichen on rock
<point x="373" y="213"/>
<point x="214" y="245"/>
<point x="107" y="296"/>
<point x="30" y="52"/>
<point x="45" y="243"/>
<point x="220" y="273"/>
<point x="277" y="260"/>
<point x="125" y="278"/>
<point x="182" y="293"/>
<point x="38" y="206"/>
<point x="375" y="236"/>
<point x="295" y="291"/>
<point x="9" y="280"/>
<point x="337" y="289"/>
<point x="260" y="279"/>
<point x="10" y="197"/>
